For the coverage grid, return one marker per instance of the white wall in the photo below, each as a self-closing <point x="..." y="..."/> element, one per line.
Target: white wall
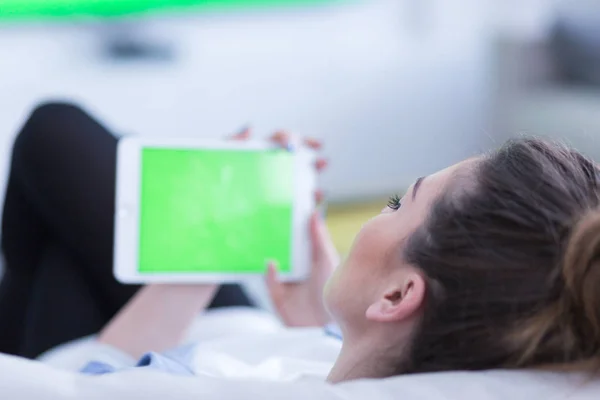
<point x="396" y="88"/>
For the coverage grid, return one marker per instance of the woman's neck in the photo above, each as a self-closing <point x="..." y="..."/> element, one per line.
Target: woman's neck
<point x="358" y="361"/>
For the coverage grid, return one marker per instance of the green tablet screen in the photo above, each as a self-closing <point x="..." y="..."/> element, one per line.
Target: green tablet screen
<point x="215" y="211"/>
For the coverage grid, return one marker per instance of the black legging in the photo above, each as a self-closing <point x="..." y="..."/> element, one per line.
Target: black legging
<point x="57" y="234"/>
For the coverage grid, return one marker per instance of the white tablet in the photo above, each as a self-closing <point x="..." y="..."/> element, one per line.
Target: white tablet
<point x="191" y="210"/>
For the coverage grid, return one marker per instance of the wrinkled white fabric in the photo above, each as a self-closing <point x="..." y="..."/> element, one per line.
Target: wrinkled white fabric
<point x="284" y="356"/>
<point x="231" y="343"/>
<point x="31" y="380"/>
<point x="273" y="364"/>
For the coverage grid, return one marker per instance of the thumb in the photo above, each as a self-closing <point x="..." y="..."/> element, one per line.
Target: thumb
<point x="319" y="234"/>
<point x="323" y="249"/>
<point x="274" y="286"/>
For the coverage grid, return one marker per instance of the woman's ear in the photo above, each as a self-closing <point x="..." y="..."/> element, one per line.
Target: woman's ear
<point x="399" y="301"/>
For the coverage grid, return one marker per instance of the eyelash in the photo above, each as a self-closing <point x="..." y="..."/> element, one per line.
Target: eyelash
<point x="394" y="202"/>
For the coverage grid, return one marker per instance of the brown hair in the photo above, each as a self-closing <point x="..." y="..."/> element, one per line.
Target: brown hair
<point x="512" y="262"/>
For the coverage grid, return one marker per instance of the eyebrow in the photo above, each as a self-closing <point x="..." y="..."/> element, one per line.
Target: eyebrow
<point x="416" y="186"/>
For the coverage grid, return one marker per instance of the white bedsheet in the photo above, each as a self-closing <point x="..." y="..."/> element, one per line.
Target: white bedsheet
<point x="23" y="380"/>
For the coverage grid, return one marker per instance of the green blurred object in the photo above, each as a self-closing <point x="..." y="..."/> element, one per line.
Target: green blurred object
<point x="78" y="9"/>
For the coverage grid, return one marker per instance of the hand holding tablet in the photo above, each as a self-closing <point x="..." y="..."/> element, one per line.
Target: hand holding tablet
<point x="208" y="211"/>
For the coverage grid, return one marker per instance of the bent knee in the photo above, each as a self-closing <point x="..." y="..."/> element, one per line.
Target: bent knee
<point x="51" y="111"/>
<point x="47" y="126"/>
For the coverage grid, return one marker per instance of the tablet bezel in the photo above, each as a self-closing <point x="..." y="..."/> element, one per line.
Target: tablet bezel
<point x="127" y="209"/>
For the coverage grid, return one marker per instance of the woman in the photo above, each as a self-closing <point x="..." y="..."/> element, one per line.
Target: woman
<point x="491" y="263"/>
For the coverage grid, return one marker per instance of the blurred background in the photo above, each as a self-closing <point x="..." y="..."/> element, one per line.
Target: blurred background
<point x="396" y="89"/>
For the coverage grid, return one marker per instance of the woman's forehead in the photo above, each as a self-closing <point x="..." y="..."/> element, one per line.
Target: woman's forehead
<point x="442" y="176"/>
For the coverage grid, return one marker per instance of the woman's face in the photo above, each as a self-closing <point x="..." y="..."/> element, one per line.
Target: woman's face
<point x="375" y="259"/>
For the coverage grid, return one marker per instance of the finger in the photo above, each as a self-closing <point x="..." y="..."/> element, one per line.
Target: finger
<point x="282" y="139"/>
<point x="319" y="197"/>
<point x="321" y="164"/>
<point x="322" y="245"/>
<point x="313" y="143"/>
<point x="316" y="233"/>
<point x="274" y="286"/>
<point x="243" y="134"/>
